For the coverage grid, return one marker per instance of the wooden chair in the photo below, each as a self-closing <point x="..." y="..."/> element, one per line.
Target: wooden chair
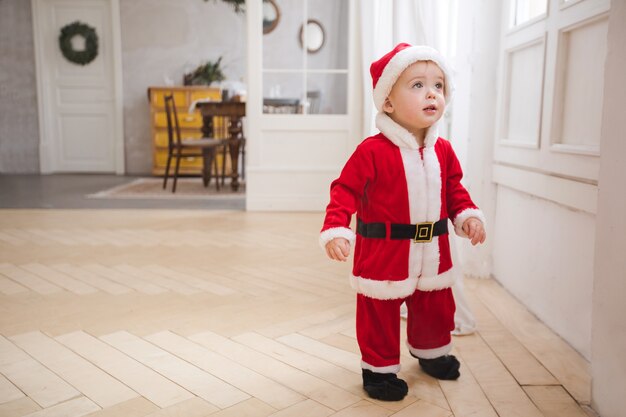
<point x="230" y="130"/>
<point x="224" y="120"/>
<point x="181" y="148"/>
<point x="220" y="129"/>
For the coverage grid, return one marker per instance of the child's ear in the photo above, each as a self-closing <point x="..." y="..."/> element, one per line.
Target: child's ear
<point x="387" y="106"/>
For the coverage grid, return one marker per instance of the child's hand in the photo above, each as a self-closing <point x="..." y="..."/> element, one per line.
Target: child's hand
<point x="338" y="249"/>
<point x="474" y="230"/>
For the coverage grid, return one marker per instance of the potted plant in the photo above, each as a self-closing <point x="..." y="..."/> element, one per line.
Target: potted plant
<point x="205" y="74"/>
<point x="238" y="5"/>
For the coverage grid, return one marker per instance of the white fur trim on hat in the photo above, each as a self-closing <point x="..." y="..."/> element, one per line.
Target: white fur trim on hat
<point x="400" y="62"/>
<point x="329" y="234"/>
<point x="464" y="215"/>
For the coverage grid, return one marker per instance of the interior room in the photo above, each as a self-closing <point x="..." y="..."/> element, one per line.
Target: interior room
<point x="165" y="168"/>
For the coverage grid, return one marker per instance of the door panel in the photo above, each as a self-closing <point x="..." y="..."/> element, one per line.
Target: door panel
<point x="81" y="126"/>
<point x="550" y="95"/>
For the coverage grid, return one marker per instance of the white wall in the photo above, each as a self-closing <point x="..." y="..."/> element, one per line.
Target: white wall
<point x="543" y="254"/>
<point x="161" y="39"/>
<point x="19" y="121"/>
<point x="608" y="363"/>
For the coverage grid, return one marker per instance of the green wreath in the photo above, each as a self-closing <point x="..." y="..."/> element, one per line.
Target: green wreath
<point x="77" y="28"/>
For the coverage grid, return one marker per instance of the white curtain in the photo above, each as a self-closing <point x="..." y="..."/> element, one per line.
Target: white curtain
<point x="385" y="23"/>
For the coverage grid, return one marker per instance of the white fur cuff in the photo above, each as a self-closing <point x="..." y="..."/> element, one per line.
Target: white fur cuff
<point x="391" y="369"/>
<point x="329" y="234"/>
<point x="464" y="215"/>
<point x="430" y="353"/>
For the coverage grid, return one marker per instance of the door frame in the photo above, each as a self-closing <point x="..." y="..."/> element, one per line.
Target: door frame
<point x="46" y="148"/>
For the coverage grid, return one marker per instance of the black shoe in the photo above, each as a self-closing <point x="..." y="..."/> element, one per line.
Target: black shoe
<point x="385" y="387"/>
<point x="444" y="367"/>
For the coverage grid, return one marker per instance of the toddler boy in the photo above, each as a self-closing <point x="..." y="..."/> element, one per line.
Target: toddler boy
<point x="403" y="184"/>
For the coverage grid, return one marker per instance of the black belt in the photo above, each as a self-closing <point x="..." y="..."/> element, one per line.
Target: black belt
<point x="420" y="232"/>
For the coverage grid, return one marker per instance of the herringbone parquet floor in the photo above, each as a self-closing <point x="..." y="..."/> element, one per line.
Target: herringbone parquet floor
<point x="187" y="313"/>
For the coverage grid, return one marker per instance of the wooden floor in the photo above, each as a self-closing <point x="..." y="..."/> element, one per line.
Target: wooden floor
<point x="190" y="313"/>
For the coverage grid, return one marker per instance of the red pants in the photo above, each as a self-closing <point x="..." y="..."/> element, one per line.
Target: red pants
<point x="430" y="321"/>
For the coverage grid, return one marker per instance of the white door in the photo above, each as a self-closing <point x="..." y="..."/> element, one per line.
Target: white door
<point x="80" y="107"/>
<point x="302" y="111"/>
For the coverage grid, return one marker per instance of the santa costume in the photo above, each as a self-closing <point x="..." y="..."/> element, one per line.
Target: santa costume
<point x="403" y="196"/>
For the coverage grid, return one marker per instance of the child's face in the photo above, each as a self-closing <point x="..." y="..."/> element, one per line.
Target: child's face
<point x="416" y="100"/>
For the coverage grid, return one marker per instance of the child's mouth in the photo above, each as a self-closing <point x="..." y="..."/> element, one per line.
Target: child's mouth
<point x="430" y="109"/>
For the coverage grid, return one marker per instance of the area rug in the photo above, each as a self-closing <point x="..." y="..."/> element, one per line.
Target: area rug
<point x="186" y="188"/>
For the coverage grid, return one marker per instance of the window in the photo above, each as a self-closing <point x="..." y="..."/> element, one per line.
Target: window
<point x="305" y="58"/>
<point x="527" y="10"/>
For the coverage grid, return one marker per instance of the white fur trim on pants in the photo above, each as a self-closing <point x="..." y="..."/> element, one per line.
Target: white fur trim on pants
<point x="329" y="234"/>
<point x="391" y="290"/>
<point x="464" y="215"/>
<point x="391" y="369"/>
<point x="430" y="353"/>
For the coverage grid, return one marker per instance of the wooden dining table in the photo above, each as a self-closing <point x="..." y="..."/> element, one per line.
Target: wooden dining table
<point x="233" y="111"/>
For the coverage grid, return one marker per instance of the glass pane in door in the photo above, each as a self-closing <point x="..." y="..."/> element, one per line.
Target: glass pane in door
<point x="283" y="93"/>
<point x="326" y="34"/>
<point x="327" y="94"/>
<point x="281" y="48"/>
<point x="526" y="10"/>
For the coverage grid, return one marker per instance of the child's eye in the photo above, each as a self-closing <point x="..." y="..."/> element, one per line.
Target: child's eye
<point x="418" y="84"/>
<point x="439" y="85"/>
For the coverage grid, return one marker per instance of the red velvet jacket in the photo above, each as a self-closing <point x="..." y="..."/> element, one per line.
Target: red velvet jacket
<point x="388" y="179"/>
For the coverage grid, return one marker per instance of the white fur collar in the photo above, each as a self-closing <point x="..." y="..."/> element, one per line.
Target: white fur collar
<point x="401" y="137"/>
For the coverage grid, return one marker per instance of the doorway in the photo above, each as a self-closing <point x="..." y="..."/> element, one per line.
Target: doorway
<point x="79" y="88"/>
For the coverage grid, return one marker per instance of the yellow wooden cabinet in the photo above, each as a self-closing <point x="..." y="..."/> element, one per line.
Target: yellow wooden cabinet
<point x="190" y="124"/>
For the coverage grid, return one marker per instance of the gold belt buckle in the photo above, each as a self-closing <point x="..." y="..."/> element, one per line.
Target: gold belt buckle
<point x="424" y="232"/>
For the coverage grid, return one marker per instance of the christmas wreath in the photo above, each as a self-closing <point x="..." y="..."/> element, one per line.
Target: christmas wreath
<point x="82" y="57"/>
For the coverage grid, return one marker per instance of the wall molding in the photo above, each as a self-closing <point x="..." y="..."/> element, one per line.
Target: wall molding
<point x="575" y="193"/>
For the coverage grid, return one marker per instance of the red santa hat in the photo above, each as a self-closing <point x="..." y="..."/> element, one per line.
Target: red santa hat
<point x="387" y="69"/>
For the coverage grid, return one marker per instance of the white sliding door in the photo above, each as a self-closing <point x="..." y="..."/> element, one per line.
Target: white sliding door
<point x="302" y="117"/>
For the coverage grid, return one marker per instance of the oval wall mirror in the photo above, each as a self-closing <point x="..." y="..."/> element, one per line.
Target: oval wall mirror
<point x="271" y="16"/>
<point x="315" y="36"/>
